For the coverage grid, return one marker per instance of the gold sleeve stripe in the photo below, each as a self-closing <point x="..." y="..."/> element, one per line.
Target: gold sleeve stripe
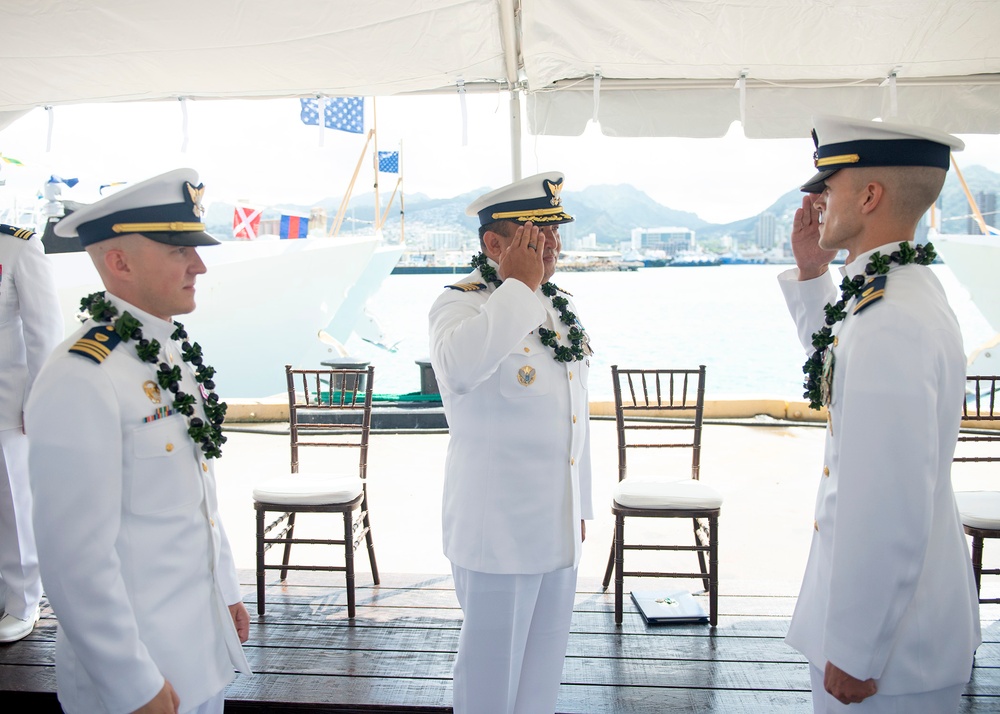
<point x="870" y="298"/>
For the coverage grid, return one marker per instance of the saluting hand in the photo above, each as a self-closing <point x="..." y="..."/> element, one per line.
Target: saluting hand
<point x="522" y="259"/>
<point x="811" y="260"/>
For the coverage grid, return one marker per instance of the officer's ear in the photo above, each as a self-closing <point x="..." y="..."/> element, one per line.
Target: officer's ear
<point x="493" y="242"/>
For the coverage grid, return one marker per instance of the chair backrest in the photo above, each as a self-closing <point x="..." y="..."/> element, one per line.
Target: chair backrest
<point x="980" y="439"/>
<point x="330" y="408"/>
<point x="659" y="409"/>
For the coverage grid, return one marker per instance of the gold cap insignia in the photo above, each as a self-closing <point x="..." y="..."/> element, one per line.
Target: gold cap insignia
<point x="196" y="193"/>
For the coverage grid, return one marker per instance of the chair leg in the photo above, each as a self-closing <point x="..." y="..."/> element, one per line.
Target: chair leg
<point x="699" y="540"/>
<point x="611" y="563"/>
<point x="619" y="565"/>
<point x="977" y="562"/>
<point x="371" y="546"/>
<point x="713" y="570"/>
<point x="349" y="561"/>
<point x="260" y="561"/>
<point x="288" y="546"/>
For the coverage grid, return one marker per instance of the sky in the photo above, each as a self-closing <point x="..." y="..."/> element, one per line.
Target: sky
<point x="259" y="152"/>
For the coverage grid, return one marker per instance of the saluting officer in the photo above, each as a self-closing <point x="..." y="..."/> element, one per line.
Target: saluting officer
<point x="511" y="359"/>
<point x="888" y="614"/>
<point x="30" y="327"/>
<point x="134" y="558"/>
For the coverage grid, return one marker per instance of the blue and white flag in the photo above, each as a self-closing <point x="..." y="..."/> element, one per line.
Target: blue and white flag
<point x="341" y="113"/>
<point x="388" y="162"/>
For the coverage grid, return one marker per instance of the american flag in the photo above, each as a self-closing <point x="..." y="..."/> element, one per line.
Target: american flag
<point x="341" y="113"/>
<point x="388" y="162"/>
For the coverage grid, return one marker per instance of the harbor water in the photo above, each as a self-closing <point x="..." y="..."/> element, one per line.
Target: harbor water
<point x="731" y="318"/>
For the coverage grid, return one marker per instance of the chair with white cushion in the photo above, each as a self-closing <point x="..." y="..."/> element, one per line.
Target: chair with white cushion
<point x="980" y="510"/>
<point x="329" y="408"/>
<point x="663" y="409"/>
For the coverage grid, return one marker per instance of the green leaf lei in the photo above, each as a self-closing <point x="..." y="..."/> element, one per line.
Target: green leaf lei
<point x="576" y="335"/>
<point x="209" y="435"/>
<point x="850" y="288"/>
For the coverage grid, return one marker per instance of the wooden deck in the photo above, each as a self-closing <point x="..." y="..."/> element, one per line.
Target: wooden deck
<point x="398" y="653"/>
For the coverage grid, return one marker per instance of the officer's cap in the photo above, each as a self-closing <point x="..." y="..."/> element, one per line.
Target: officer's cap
<point x="536" y="199"/>
<point x="843" y="143"/>
<point x="166" y="208"/>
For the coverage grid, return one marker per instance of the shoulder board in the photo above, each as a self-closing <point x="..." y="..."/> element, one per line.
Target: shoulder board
<point x="97" y="343"/>
<point x="22" y="233"/>
<point x="565" y="292"/>
<point x="467" y="287"/>
<point x="873" y="291"/>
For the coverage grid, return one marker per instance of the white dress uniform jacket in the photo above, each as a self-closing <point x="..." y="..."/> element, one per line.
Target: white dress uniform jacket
<point x="888" y="591"/>
<point x="517" y="474"/>
<point x="135" y="561"/>
<point x="30" y="322"/>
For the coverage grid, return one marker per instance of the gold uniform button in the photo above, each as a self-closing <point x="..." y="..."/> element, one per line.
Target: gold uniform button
<point x="527" y="349"/>
<point x="816" y="526"/>
<point x="826" y="470"/>
<point x="169" y="447"/>
<point x="835" y="341"/>
<point x="212" y="521"/>
<point x="572" y="462"/>
<point x="571" y="376"/>
<point x="574" y="418"/>
<point x="204" y="466"/>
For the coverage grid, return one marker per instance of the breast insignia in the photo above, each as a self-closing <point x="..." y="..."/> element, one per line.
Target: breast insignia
<point x="22" y="233"/>
<point x="467" y="287"/>
<point x="97" y="343"/>
<point x="873" y="291"/>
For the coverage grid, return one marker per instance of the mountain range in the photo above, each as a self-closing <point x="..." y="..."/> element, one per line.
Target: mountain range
<point x="610" y="211"/>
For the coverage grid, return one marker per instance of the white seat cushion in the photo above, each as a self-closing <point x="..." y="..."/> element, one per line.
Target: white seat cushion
<point x="647" y="493"/>
<point x="979" y="509"/>
<point x="309" y="489"/>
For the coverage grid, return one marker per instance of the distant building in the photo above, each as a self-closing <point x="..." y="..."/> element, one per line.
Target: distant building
<point x="444" y="240"/>
<point x="767" y="231"/>
<point x="670" y="240"/>
<point x="987" y="202"/>
<point x="587" y="242"/>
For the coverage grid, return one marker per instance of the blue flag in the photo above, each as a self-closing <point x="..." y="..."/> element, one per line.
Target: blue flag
<point x="388" y="162"/>
<point x="342" y="113"/>
<point x="293" y="227"/>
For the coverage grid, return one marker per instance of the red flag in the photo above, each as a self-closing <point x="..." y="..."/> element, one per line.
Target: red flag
<point x="245" y="222"/>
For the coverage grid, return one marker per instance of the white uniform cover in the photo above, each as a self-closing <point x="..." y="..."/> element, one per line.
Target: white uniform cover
<point x="517" y="480"/>
<point x="134" y="559"/>
<point x="888" y="591"/>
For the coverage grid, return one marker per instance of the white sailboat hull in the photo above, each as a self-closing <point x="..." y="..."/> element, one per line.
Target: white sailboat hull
<point x="261" y="305"/>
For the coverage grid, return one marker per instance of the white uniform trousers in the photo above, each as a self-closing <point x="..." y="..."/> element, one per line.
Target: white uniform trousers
<point x="18" y="557"/>
<point x="513" y="640"/>
<point x="939" y="701"/>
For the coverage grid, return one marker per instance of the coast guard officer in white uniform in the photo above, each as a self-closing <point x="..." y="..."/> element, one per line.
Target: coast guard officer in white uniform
<point x="888" y="615"/>
<point x="133" y="555"/>
<point x="31" y="326"/>
<point x="511" y="360"/>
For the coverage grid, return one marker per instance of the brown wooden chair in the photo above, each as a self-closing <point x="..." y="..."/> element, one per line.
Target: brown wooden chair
<point x="647" y="404"/>
<point x="980" y="510"/>
<point x="328" y="408"/>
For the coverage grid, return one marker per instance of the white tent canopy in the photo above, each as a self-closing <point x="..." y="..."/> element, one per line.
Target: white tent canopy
<point x="640" y="67"/>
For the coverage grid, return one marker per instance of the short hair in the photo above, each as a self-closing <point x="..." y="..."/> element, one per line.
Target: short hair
<point x="912" y="189"/>
<point x="503" y="227"/>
